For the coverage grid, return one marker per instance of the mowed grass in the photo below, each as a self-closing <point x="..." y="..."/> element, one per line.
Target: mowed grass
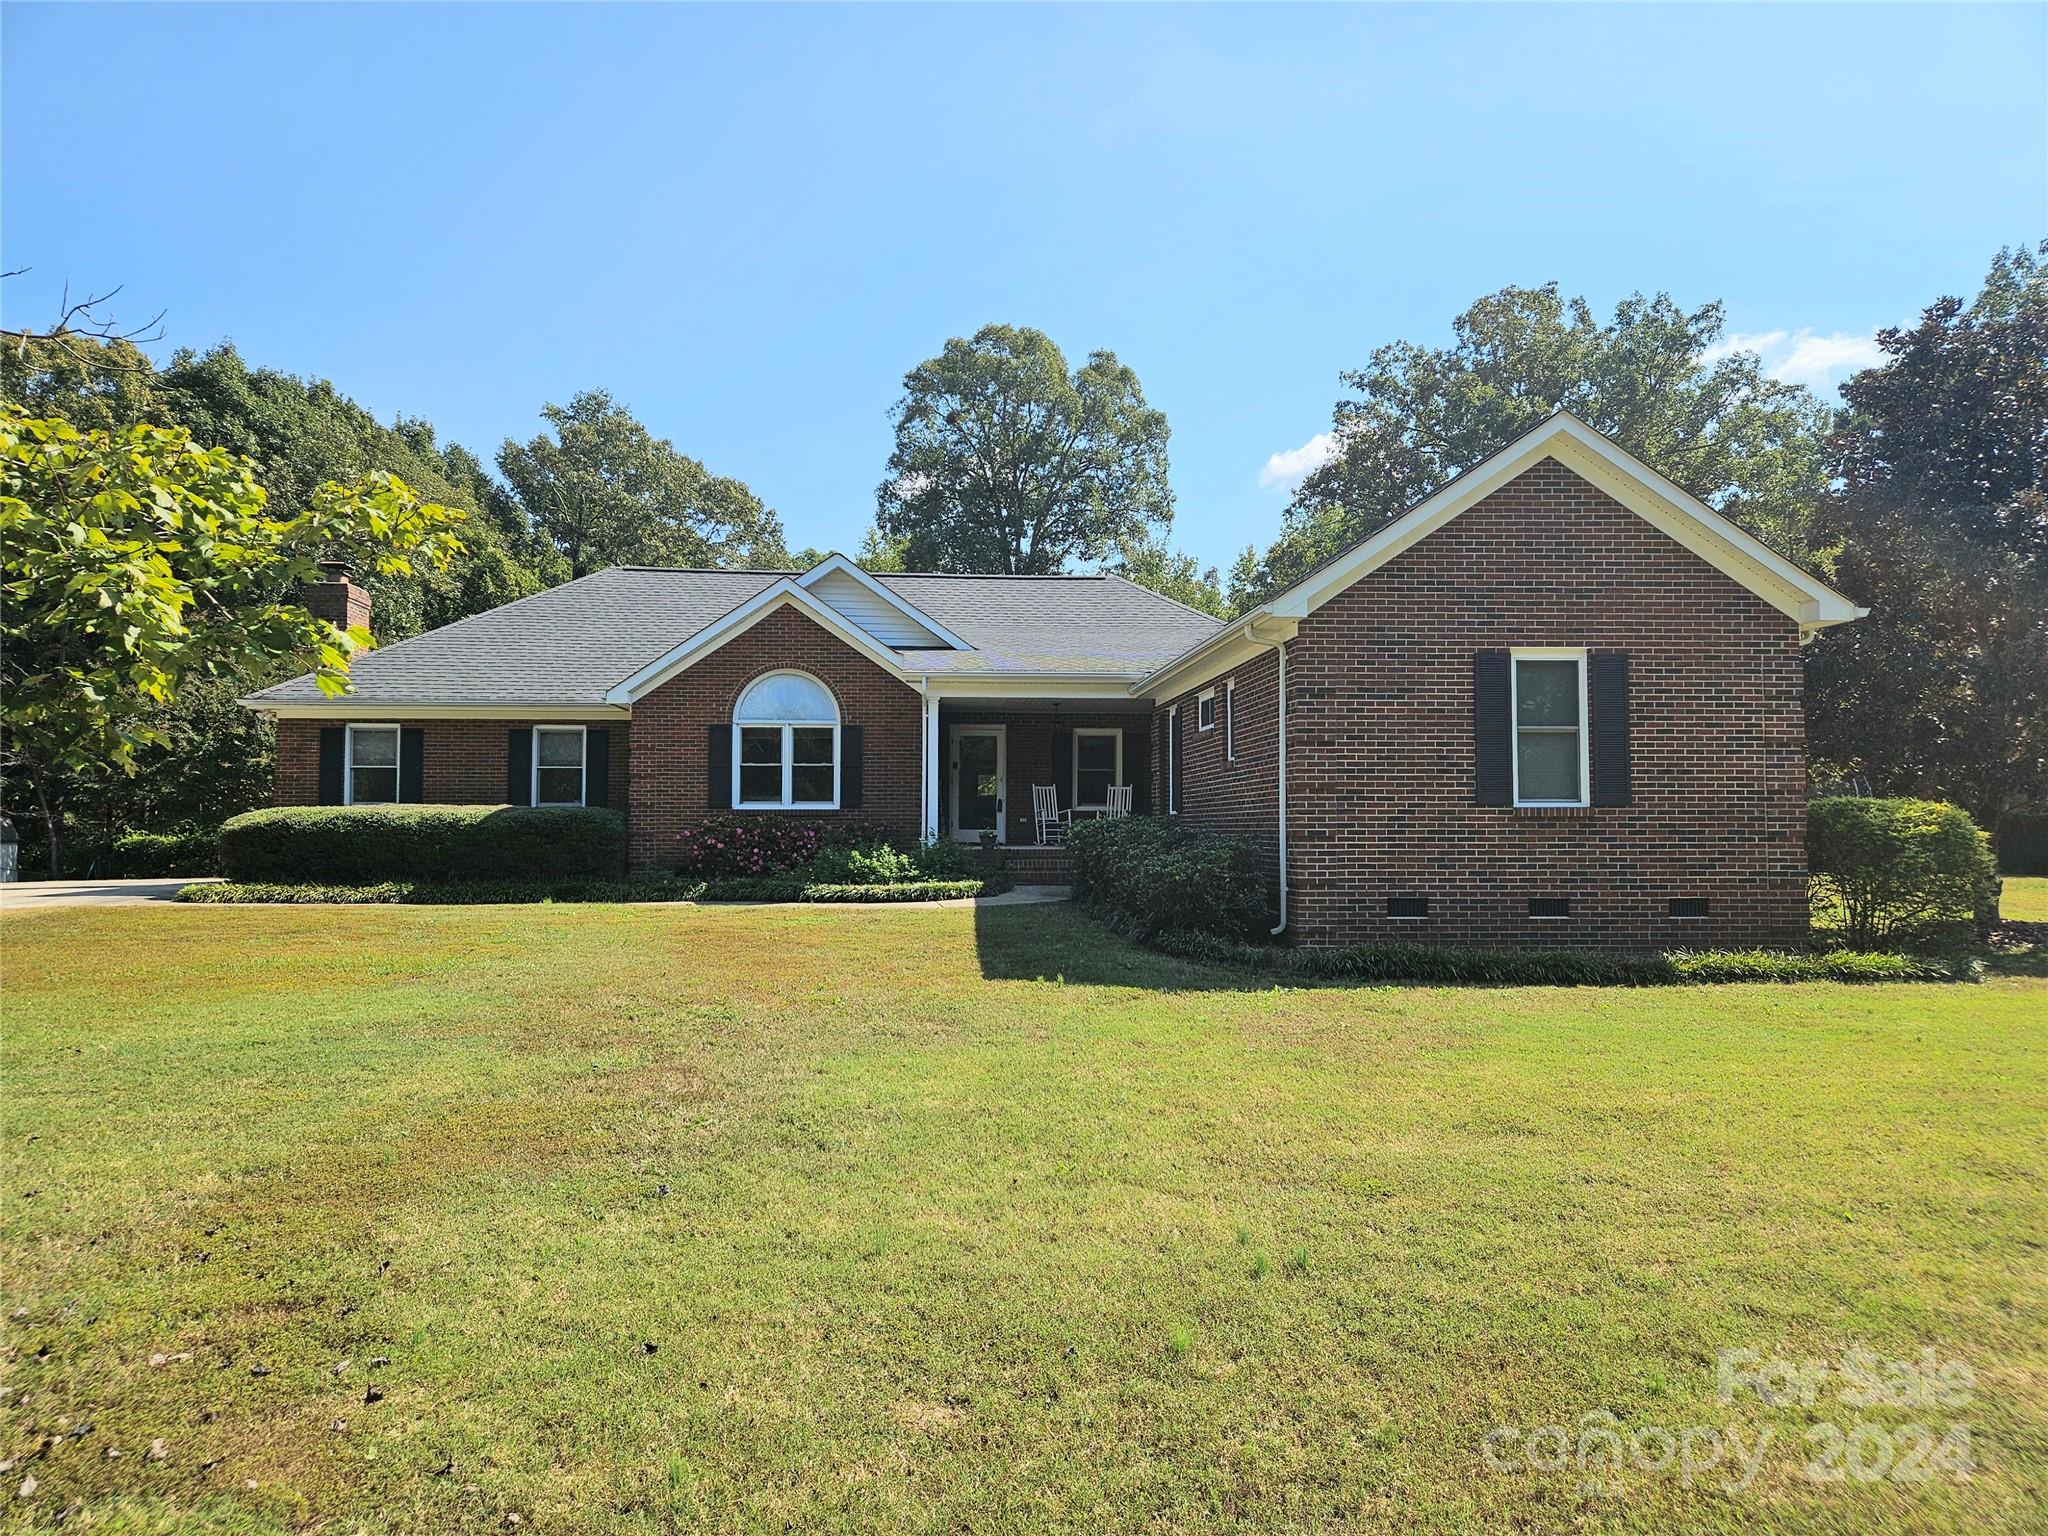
<point x="2024" y="898"/>
<point x="973" y="1221"/>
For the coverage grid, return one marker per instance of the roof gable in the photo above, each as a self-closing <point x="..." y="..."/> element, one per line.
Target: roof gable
<point x="1676" y="513"/>
<point x="881" y="612"/>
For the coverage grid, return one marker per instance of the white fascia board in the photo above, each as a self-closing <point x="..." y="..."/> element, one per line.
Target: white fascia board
<point x="1675" y="512"/>
<point x="1245" y="639"/>
<point x="783" y="593"/>
<point x="916" y="615"/>
<point x="353" y="707"/>
<point x="1013" y="685"/>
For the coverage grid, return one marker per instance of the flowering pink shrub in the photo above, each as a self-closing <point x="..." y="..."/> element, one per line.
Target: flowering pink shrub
<point x="765" y="845"/>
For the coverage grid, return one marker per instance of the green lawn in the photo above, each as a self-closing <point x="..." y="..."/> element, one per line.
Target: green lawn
<point x="974" y="1221"/>
<point x="2025" y="898"/>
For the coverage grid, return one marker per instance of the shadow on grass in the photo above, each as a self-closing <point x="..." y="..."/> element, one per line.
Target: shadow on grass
<point x="1061" y="942"/>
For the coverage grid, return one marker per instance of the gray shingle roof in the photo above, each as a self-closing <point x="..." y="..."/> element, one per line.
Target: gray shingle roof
<point x="572" y="643"/>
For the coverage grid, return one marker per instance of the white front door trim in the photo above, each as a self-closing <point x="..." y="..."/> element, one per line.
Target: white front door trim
<point x="1001" y="734"/>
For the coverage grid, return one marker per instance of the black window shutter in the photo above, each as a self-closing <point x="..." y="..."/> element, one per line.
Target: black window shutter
<point x="1174" y="788"/>
<point x="718" y="768"/>
<point x="1138" y="773"/>
<point x="1493" y="737"/>
<point x="850" y="767"/>
<point x="1063" y="767"/>
<point x="412" y="757"/>
<point x="333" y="744"/>
<point x="1607" y="690"/>
<point x="597" y="765"/>
<point x="519" y="767"/>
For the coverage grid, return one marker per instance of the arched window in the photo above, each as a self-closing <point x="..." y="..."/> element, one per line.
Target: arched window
<point x="785" y="745"/>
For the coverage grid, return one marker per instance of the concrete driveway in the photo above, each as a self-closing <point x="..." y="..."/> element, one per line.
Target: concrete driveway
<point x="30" y="895"/>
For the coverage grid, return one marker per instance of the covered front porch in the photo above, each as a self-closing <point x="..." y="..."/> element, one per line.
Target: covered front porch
<point x="984" y="755"/>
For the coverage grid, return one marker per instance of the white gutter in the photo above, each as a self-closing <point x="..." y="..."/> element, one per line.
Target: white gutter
<point x="1280" y="682"/>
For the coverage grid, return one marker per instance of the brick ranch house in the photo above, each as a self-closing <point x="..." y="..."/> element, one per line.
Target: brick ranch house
<point x="1559" y="701"/>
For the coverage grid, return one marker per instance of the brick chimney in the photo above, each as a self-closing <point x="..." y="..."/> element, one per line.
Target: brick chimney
<point x="337" y="599"/>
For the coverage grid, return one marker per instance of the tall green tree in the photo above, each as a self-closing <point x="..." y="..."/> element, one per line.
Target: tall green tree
<point x="1942" y="515"/>
<point x="1176" y="574"/>
<point x="603" y="490"/>
<point x="1653" y="378"/>
<point x="134" y="561"/>
<point x="1007" y="463"/>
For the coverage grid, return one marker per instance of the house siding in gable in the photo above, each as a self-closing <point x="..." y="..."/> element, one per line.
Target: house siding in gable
<point x="1381" y="756"/>
<point x="671" y="733"/>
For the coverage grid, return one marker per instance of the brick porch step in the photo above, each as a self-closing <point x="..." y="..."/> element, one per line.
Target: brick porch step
<point x="1039" y="866"/>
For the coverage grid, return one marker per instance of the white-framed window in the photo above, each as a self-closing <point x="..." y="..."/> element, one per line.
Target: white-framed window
<point x="785" y="745"/>
<point x="371" y="776"/>
<point x="1205" y="710"/>
<point x="1230" y="721"/>
<point x="1547" y="702"/>
<point x="1098" y="766"/>
<point x="560" y="768"/>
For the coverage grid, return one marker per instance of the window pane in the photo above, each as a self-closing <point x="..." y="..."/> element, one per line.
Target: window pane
<point x="761" y="783"/>
<point x="560" y="786"/>
<point x="373" y="786"/>
<point x="785" y="697"/>
<point x="1095" y="752"/>
<point x="1205" y="713"/>
<point x="811" y="782"/>
<point x="1549" y="762"/>
<point x="759" y="745"/>
<point x="811" y="744"/>
<point x="374" y="749"/>
<point x="1546" y="693"/>
<point x="561" y="749"/>
<point x="1093" y="786"/>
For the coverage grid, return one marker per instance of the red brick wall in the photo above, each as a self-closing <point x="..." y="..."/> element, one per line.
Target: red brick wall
<point x="1028" y="753"/>
<point x="671" y="731"/>
<point x="1380" y="740"/>
<point x="463" y="764"/>
<point x="1222" y="792"/>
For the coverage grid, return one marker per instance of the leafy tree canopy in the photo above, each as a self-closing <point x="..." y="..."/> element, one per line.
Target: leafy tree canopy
<point x="132" y="560"/>
<point x="1652" y="378"/>
<point x="1007" y="463"/>
<point x="603" y="490"/>
<point x="1175" y="574"/>
<point x="1942" y="515"/>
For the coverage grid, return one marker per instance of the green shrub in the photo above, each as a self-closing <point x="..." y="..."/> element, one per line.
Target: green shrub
<point x="1559" y="967"/>
<point x="364" y="844"/>
<point x="1888" y="871"/>
<point x="157" y="855"/>
<point x="871" y="863"/>
<point x="517" y="892"/>
<point x="944" y="859"/>
<point x="2023" y="843"/>
<point x="1145" y="875"/>
<point x="767" y="844"/>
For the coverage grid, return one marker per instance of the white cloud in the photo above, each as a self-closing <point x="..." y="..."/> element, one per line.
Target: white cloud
<point x="1288" y="469"/>
<point x="1803" y="356"/>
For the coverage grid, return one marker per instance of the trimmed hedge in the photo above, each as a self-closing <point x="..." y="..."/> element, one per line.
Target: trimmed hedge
<point x="1563" y="968"/>
<point x="2023" y="843"/>
<point x="1885" y="872"/>
<point x="519" y="892"/>
<point x="749" y="845"/>
<point x="157" y="855"/>
<point x="365" y="844"/>
<point x="1145" y="875"/>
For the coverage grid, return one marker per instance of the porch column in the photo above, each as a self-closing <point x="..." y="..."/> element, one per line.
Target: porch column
<point x="931" y="767"/>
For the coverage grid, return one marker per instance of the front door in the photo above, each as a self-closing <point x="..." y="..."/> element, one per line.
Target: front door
<point x="977" y="768"/>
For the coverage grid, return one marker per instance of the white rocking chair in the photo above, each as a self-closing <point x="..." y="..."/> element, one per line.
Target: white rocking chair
<point x="1051" y="822"/>
<point x="1119" y="803"/>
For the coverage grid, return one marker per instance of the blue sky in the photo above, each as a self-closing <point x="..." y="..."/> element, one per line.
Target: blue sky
<point x="748" y="223"/>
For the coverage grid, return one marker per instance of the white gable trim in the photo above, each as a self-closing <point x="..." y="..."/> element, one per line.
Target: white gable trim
<point x="784" y="593"/>
<point x="838" y="564"/>
<point x="1690" y="522"/>
<point x="1686" y="519"/>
